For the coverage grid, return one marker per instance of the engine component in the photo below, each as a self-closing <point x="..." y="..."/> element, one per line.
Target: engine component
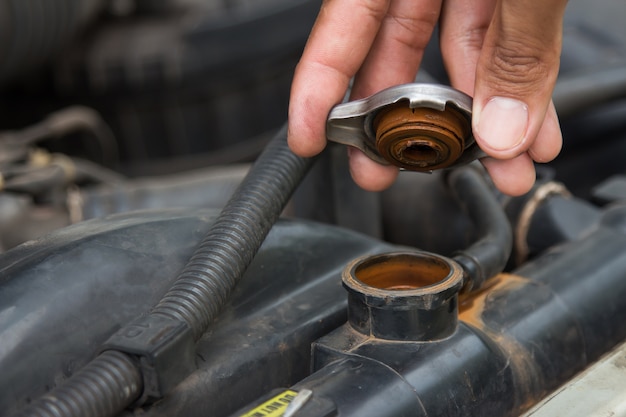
<point x="200" y="290"/>
<point x="114" y="269"/>
<point x="489" y="254"/>
<point x="417" y="127"/>
<point x="43" y="191"/>
<point x="422" y="331"/>
<point x="517" y="340"/>
<point x="16" y="145"/>
<point x="565" y="313"/>
<point x="403" y="295"/>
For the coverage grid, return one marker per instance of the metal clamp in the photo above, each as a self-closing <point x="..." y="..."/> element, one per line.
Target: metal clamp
<point x="417" y="127"/>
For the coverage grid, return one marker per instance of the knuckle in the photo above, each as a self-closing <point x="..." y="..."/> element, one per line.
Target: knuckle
<point x="522" y="66"/>
<point x="414" y="33"/>
<point x="377" y="9"/>
<point x="515" y="64"/>
<point x="472" y="39"/>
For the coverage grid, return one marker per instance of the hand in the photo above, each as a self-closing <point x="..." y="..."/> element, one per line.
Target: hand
<point x="504" y="53"/>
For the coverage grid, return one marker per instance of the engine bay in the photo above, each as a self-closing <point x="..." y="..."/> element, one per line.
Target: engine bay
<point x="163" y="253"/>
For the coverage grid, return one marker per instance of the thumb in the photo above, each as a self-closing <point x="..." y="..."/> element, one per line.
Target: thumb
<point x="515" y="76"/>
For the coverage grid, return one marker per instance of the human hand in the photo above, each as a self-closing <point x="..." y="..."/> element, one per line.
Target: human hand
<point x="505" y="53"/>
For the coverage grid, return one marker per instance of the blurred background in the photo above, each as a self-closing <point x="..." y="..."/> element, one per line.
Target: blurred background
<point x="171" y="78"/>
<point x="113" y="105"/>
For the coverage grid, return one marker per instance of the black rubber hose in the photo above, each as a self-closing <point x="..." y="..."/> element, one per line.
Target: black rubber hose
<point x="489" y="254"/>
<point x="103" y="388"/>
<point x="207" y="280"/>
<point x="111" y="382"/>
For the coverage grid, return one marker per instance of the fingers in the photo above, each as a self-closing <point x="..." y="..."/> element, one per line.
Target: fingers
<point x="463" y="26"/>
<point x="399" y="46"/>
<point x="338" y="44"/>
<point x="383" y="40"/>
<point x="515" y="76"/>
<point x="549" y="140"/>
<point x="517" y="176"/>
<point x="368" y="174"/>
<point x="394" y="59"/>
<point x="514" y="176"/>
<point x="504" y="51"/>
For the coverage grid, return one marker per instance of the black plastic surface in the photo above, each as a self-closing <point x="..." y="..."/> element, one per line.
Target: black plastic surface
<point x="61" y="297"/>
<point x="520" y="338"/>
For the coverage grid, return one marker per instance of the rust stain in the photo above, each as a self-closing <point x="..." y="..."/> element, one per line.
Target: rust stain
<point x="421" y="139"/>
<point x="520" y="361"/>
<point x="472" y="304"/>
<point x="403" y="272"/>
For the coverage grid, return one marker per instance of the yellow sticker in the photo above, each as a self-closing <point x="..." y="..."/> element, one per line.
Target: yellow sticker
<point x="274" y="407"/>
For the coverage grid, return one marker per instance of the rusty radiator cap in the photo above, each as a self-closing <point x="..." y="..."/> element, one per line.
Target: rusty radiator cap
<point x="417" y="127"/>
<point x="421" y="139"/>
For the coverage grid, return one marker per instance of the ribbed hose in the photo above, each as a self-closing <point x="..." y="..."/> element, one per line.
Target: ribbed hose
<point x="111" y="382"/>
<point x="487" y="256"/>
<point x="103" y="388"/>
<point x="207" y="280"/>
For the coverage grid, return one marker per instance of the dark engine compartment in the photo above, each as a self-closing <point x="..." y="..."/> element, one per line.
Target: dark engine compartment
<point x="147" y="267"/>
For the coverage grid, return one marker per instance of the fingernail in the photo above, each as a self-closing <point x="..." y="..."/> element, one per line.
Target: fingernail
<point x="502" y="123"/>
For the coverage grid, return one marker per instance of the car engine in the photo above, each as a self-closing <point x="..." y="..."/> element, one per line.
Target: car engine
<point x="164" y="253"/>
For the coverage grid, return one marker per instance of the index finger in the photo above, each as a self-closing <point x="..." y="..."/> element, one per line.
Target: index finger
<point x="338" y="44"/>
